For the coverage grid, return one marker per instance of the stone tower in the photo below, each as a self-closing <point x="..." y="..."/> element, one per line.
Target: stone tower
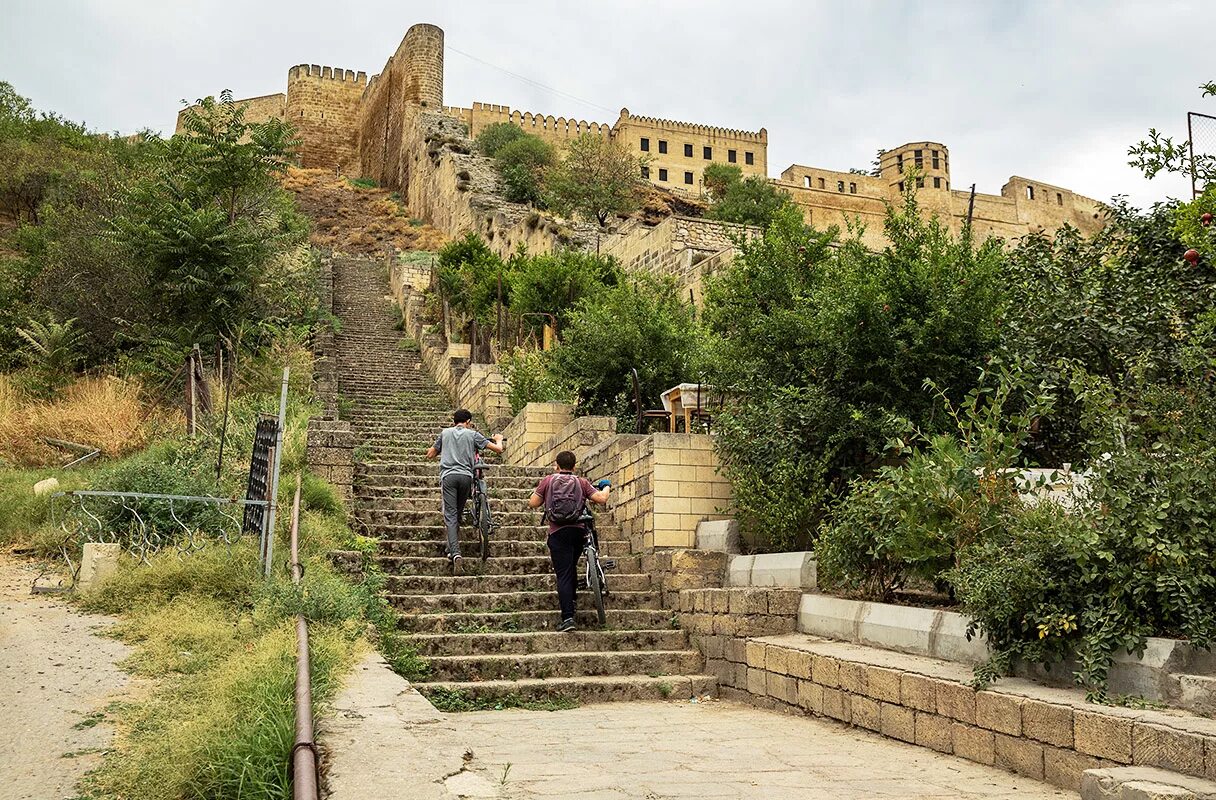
<point x="422" y="52"/>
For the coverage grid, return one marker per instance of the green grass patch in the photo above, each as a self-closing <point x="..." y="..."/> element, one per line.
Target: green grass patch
<point x="25" y="520"/>
<point x="453" y="700"/>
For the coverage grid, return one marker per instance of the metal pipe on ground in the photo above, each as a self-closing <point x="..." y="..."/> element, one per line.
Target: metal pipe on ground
<point x="304" y="768"/>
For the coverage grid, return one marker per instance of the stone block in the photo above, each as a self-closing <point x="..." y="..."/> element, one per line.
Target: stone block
<point x="867" y="713"/>
<point x="688" y="601"/>
<point x="825" y="671"/>
<point x="756" y="657"/>
<point x="1168" y="748"/>
<point x="739" y="571"/>
<point x="776" y="659"/>
<point x="719" y="601"/>
<point x="782" y="687"/>
<point x="46" y="486"/>
<point x="810" y="696"/>
<point x="748" y="601"/>
<point x="736" y="650"/>
<point x="882" y="684"/>
<point x="1103" y="735"/>
<point x="899" y="722"/>
<point x="831" y="617"/>
<point x="933" y="731"/>
<point x="757" y="681"/>
<point x="999" y="712"/>
<point x="784" y="602"/>
<point x="1023" y="756"/>
<point x="956" y="700"/>
<point x="1063" y="767"/>
<point x="919" y="692"/>
<point x="722" y="535"/>
<point x="98" y="561"/>
<point x="852" y="677"/>
<point x="838" y="704"/>
<point x="790" y="570"/>
<point x="713" y="647"/>
<point x="726" y="625"/>
<point x="800" y="664"/>
<point x="973" y="744"/>
<point x="1047" y="722"/>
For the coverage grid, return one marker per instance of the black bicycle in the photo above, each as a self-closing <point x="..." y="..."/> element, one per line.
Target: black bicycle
<point x="479" y="508"/>
<point x="595" y="566"/>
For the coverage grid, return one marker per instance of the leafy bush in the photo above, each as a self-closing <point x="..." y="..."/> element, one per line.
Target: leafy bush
<point x="493" y="138"/>
<point x="521" y="164"/>
<point x="529" y="380"/>
<point x="642" y="323"/>
<point x="848" y="337"/>
<point x="750" y="201"/>
<point x="554" y="283"/>
<point x="467" y="273"/>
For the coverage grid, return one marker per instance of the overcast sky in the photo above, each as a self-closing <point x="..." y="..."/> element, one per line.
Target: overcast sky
<point x="1054" y="91"/>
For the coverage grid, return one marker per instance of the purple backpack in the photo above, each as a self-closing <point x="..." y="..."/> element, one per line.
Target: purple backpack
<point x="564" y="501"/>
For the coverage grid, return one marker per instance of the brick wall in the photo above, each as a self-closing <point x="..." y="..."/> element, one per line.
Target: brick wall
<point x="531" y="428"/>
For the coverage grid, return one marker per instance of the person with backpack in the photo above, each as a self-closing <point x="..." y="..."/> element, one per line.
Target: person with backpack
<point x="565" y="496"/>
<point x="458" y="446"/>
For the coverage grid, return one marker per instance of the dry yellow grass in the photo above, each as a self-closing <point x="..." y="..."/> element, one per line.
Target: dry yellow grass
<point x="101" y="411"/>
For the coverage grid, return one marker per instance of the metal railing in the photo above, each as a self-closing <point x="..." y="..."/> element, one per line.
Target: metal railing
<point x="305" y="764"/>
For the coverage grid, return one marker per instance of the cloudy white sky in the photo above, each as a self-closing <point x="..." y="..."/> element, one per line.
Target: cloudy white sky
<point x="1054" y="91"/>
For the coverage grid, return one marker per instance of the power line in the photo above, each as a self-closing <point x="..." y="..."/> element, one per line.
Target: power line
<point x="528" y="80"/>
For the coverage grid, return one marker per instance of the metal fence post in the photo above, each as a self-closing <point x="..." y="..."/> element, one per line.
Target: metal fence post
<point x="274" y="477"/>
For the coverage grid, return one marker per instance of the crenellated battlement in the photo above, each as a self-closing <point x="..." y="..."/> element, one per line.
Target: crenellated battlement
<point x="541" y="124"/>
<point x="327" y="74"/>
<point x="491" y="108"/>
<point x="760" y="136"/>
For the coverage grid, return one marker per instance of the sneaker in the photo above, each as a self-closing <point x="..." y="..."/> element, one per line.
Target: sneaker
<point x="456" y="565"/>
<point x="565" y="625"/>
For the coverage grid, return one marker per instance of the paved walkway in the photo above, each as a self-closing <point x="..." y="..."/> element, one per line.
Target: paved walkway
<point x="385" y="741"/>
<point x="56" y="677"/>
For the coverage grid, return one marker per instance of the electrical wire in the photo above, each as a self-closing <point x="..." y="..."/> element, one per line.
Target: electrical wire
<point x="528" y="80"/>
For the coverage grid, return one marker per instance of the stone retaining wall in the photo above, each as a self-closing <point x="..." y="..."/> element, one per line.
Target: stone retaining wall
<point x="330" y="445"/>
<point x="1045" y="733"/>
<point x="324" y="347"/>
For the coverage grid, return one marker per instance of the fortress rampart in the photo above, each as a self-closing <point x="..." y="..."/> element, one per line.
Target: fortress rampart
<point x="372" y="128"/>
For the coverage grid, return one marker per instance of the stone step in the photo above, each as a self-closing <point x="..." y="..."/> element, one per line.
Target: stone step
<point x="427" y="498"/>
<point x="486" y="583"/>
<point x="468" y="644"/>
<point x="583" y="690"/>
<point x="507" y="602"/>
<point x="390" y="519"/>
<point x="431" y="469"/>
<point x="516" y="666"/>
<point x="438" y="566"/>
<point x="432" y="481"/>
<point x="470" y="545"/>
<point x="518" y="621"/>
<point x="1144" y="783"/>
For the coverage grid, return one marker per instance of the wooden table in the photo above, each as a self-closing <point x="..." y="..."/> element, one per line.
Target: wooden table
<point x="682" y="400"/>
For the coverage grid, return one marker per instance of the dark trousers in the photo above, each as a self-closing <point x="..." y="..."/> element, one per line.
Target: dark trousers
<point x="565" y="546"/>
<point x="455" y="491"/>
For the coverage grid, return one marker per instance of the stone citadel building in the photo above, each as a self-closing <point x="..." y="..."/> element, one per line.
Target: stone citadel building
<point x="362" y="127"/>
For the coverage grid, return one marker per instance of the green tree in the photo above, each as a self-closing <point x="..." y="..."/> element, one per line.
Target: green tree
<point x="750" y="201"/>
<point x="493" y="138"/>
<point x="521" y="164"/>
<point x="554" y="283"/>
<point x="596" y="179"/>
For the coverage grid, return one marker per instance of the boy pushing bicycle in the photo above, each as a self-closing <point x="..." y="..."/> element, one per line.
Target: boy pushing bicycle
<point x="564" y="496"/>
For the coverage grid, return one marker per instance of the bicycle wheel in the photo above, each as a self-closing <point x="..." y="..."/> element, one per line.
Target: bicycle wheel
<point x="595" y="582"/>
<point x="484" y="524"/>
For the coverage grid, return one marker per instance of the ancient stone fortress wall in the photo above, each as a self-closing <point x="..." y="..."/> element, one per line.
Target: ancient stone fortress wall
<point x="323" y="105"/>
<point x="556" y="130"/>
<point x="258" y="109"/>
<point x="678" y="152"/>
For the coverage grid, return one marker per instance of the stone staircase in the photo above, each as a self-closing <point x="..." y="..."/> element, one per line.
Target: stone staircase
<point x="488" y="634"/>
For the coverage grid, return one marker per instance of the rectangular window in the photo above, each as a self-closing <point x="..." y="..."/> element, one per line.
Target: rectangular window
<point x="937" y="183"/>
<point x="688" y="178"/>
<point x="645" y="145"/>
<point x="646" y="173"/>
<point x="732" y="156"/>
<point x="840" y="186"/>
<point x="1059" y="199"/>
<point x="920" y="183"/>
<point x="662" y="145"/>
<point x="688" y="151"/>
<point x="899" y="164"/>
<point x="662" y="174"/>
<point x="707" y="153"/>
<point x="901" y="187"/>
<point x="749" y="158"/>
<point x="852" y="188"/>
<point x="936" y="162"/>
<point x="822" y="184"/>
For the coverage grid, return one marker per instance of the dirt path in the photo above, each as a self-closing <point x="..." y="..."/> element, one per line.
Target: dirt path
<point x="56" y="678"/>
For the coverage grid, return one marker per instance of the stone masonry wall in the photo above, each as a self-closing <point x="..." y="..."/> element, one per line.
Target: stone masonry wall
<point x="330" y="445"/>
<point x="1040" y="732"/>
<point x="324" y="348"/>
<point x="323" y="105"/>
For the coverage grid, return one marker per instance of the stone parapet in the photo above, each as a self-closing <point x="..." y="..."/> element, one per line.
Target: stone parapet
<point x="330" y="447"/>
<point x="531" y="428"/>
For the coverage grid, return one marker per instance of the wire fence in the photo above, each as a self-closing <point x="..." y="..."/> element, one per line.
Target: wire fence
<point x="1201" y="133"/>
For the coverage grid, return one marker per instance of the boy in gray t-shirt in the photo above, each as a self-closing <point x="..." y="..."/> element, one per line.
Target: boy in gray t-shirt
<point x="458" y="447"/>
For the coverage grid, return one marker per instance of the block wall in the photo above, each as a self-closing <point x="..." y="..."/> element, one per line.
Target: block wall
<point x="531" y="428"/>
<point x="687" y="488"/>
<point x="258" y="109"/>
<point x="323" y="105"/>
<point x="330" y="445"/>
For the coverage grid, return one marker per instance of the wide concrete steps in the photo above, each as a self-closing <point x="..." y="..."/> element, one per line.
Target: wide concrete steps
<point x="515" y="601"/>
<point x="469" y="644"/>
<point x="598" y="689"/>
<point x="437" y="565"/>
<point x="493" y="584"/>
<point x="517" y="621"/>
